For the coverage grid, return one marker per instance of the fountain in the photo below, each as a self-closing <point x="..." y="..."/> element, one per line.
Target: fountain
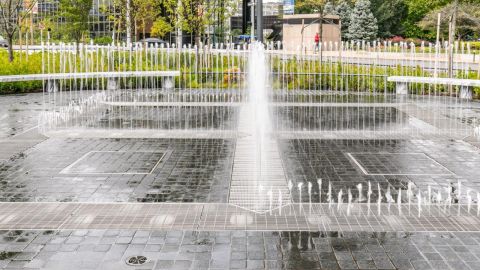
<point x="266" y="70"/>
<point x="258" y="104"/>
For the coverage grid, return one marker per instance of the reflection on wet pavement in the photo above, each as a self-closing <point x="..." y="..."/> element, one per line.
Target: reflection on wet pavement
<point x="109" y="249"/>
<point x="192" y="170"/>
<point x="179" y="170"/>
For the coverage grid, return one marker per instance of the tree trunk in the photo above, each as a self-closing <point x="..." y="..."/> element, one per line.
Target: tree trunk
<point x="320" y="33"/>
<point x="451" y="40"/>
<point x="77" y="45"/>
<point x="197" y="39"/>
<point x="10" y="48"/>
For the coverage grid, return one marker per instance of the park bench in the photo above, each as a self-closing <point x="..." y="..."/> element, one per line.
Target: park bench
<point x="466" y="85"/>
<point x="52" y="79"/>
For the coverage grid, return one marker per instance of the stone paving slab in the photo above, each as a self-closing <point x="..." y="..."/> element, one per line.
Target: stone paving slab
<point x="110" y="249"/>
<point x="19" y="143"/>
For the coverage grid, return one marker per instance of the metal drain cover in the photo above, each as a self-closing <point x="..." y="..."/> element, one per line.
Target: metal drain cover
<point x="136" y="260"/>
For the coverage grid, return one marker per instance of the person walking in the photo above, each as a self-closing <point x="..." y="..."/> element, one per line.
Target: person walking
<point x="317" y="41"/>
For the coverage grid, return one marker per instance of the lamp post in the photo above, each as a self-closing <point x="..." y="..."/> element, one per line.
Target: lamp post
<point x="252" y="28"/>
<point x="260" y="20"/>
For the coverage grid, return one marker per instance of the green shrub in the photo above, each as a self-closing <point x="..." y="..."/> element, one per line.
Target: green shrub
<point x="105" y="40"/>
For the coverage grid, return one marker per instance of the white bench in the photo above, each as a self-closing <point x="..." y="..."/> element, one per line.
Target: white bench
<point x="53" y="77"/>
<point x="466" y="85"/>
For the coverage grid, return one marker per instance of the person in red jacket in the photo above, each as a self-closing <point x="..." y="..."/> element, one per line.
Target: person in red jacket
<point x="317" y="41"/>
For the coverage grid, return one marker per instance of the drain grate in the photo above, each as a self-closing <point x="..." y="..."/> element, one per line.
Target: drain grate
<point x="136" y="260"/>
<point x="115" y="162"/>
<point x="398" y="164"/>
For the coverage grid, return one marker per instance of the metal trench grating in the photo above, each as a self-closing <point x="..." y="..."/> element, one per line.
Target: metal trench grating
<point x="218" y="217"/>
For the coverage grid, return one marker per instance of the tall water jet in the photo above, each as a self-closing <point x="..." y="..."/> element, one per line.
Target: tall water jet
<point x="258" y="104"/>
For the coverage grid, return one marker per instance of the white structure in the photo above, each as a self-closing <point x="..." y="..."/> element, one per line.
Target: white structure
<point x="466" y="85"/>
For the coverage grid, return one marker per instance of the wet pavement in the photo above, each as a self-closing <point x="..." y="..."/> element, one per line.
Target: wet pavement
<point x="110" y="249"/>
<point x="147" y="170"/>
<point x="34" y="168"/>
<point x="18" y="113"/>
<point x="391" y="163"/>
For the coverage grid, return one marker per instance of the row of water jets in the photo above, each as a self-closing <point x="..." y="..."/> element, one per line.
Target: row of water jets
<point x="422" y="199"/>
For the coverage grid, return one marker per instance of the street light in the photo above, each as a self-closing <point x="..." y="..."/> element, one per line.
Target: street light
<point x="252" y="28"/>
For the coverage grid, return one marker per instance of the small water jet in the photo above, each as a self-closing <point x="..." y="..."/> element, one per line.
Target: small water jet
<point x="309" y="188"/>
<point x="270" y="197"/>
<point x="359" y="188"/>
<point x="369" y="193"/>
<point x="329" y="195"/>
<point x="349" y="202"/>
<point x="319" y="181"/>
<point x="339" y="199"/>
<point x="300" y="185"/>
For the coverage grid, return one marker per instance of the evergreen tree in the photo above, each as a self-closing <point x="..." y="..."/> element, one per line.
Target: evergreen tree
<point x="344" y="10"/>
<point x="363" y="25"/>
<point x="329" y="9"/>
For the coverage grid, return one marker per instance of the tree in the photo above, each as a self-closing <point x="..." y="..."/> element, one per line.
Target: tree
<point x="363" y="25"/>
<point x="329" y="9"/>
<point x="390" y="15"/>
<point x="75" y="15"/>
<point x="467" y="19"/>
<point x="195" y="15"/>
<point x="160" y="28"/>
<point x="12" y="13"/>
<point x="417" y="9"/>
<point x="344" y="11"/>
<point x="142" y="12"/>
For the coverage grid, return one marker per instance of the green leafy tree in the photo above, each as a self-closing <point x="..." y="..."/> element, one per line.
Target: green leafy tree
<point x="467" y="19"/>
<point x="142" y="13"/>
<point x="390" y="15"/>
<point x="363" y="25"/>
<point x="12" y="14"/>
<point x="160" y="28"/>
<point x="417" y="10"/>
<point x="75" y="14"/>
<point x="195" y="16"/>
